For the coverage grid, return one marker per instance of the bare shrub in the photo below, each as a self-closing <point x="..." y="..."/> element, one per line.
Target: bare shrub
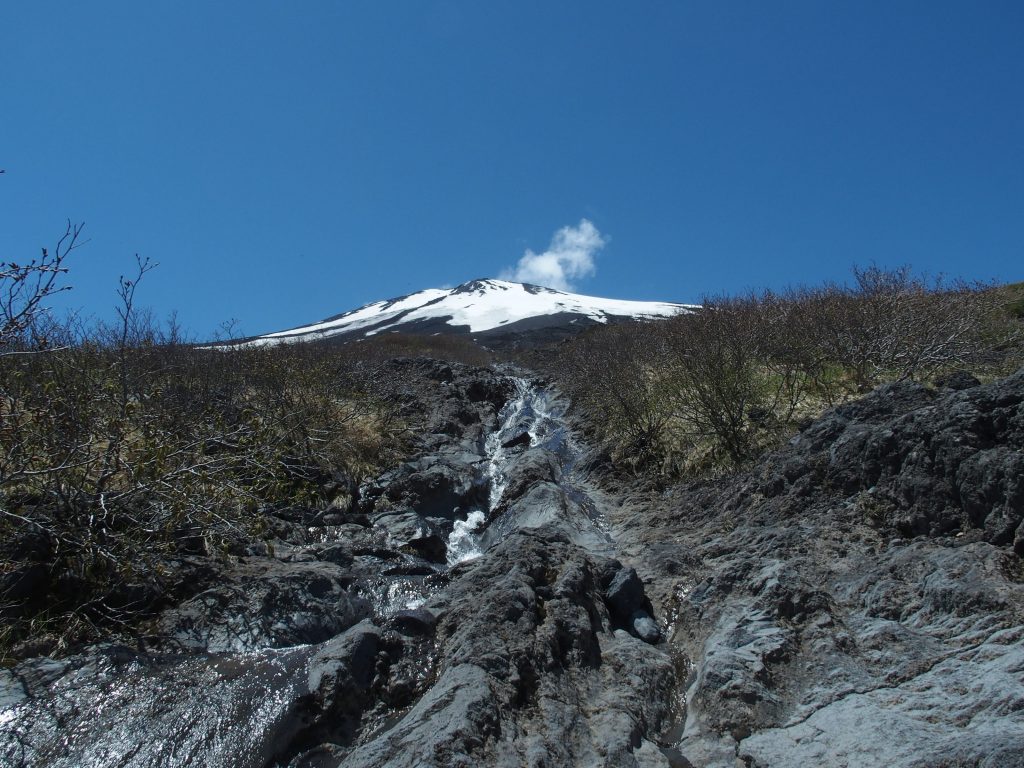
<point x="610" y="372"/>
<point x="24" y="289"/>
<point x="719" y="385"/>
<point x="122" y="446"/>
<point x="892" y="325"/>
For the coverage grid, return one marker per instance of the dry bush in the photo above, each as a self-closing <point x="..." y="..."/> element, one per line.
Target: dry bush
<point x="892" y="325"/>
<point x="1012" y="300"/>
<point x="714" y="388"/>
<point x="722" y="384"/>
<point x="124" y="447"/>
<point x="609" y="371"/>
<point x="121" y="447"/>
<point x="24" y="289"/>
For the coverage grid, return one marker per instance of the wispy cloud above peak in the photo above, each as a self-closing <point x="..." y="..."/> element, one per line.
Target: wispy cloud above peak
<point x="569" y="257"/>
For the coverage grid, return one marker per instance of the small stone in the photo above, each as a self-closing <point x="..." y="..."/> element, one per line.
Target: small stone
<point x="646" y="628"/>
<point x="521" y="439"/>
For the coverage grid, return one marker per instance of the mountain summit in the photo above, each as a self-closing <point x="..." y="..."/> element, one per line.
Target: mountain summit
<point x="494" y="311"/>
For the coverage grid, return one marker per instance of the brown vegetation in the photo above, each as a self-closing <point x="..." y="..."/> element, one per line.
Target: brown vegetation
<point x="710" y="390"/>
<point x="122" y="448"/>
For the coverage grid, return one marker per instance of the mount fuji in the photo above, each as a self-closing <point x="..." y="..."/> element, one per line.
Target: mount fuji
<point x="493" y="312"/>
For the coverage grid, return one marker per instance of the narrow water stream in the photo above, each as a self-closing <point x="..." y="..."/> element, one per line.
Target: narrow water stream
<point x="532" y="419"/>
<point x="113" y="706"/>
<point x="527" y="420"/>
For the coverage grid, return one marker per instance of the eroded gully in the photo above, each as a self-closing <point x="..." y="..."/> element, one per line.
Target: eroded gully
<point x="411" y="669"/>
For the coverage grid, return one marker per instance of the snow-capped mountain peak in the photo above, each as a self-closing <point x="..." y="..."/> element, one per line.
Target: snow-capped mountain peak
<point x="484" y="308"/>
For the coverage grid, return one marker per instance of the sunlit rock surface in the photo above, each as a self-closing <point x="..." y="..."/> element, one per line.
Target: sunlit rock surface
<point x="854" y="599"/>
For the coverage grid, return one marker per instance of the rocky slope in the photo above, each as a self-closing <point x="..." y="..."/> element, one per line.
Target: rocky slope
<point x="856" y="598"/>
<point x="375" y="633"/>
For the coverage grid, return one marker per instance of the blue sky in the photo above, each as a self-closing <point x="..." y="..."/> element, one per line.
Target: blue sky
<point x="288" y="161"/>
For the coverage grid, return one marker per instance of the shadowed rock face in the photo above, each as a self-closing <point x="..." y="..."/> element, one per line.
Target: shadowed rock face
<point x="853" y="599"/>
<point x="528" y="667"/>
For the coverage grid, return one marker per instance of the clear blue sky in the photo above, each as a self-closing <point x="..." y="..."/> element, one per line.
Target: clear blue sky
<point x="288" y="161"/>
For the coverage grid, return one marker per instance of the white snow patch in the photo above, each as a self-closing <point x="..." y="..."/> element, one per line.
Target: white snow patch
<point x="481" y="305"/>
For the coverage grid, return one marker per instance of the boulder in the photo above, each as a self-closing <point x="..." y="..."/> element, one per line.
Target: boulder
<point x="523" y="438"/>
<point x="645" y="627"/>
<point x="625" y="595"/>
<point x="263" y="603"/>
<point x="413" y="621"/>
<point x="528" y="469"/>
<point x="412" y="533"/>
<point x="435" y="486"/>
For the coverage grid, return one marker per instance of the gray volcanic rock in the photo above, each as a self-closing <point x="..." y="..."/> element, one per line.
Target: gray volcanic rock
<point x="62" y="718"/>
<point x="527" y="469"/>
<point x="410" y="532"/>
<point x="933" y="465"/>
<point x="625" y="594"/>
<point x="645" y="627"/>
<point x="455" y="406"/>
<point x="433" y="486"/>
<point x="546" y="504"/>
<point x="853" y="599"/>
<point x="813" y="624"/>
<point x="529" y="671"/>
<point x="263" y="603"/>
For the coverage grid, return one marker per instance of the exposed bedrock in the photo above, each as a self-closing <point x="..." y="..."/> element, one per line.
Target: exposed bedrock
<point x="354" y="638"/>
<point x="529" y="671"/>
<point x="855" y="598"/>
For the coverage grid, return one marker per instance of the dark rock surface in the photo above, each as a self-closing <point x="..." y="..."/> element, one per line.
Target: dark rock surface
<point x="625" y="594"/>
<point x="433" y="486"/>
<point x="264" y="603"/>
<point x="410" y="532"/>
<point x="528" y="671"/>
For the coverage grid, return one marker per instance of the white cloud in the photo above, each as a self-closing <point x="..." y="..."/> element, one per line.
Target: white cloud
<point x="569" y="258"/>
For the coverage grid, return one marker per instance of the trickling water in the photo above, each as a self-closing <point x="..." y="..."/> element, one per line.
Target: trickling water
<point x="529" y="418"/>
<point x="229" y="709"/>
<point x="462" y="545"/>
<point x="518" y="416"/>
<point x="536" y="413"/>
<point x="119" y="709"/>
<point x="398" y="594"/>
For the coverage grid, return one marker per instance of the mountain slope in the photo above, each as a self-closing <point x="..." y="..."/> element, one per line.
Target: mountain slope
<point x="487" y="309"/>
